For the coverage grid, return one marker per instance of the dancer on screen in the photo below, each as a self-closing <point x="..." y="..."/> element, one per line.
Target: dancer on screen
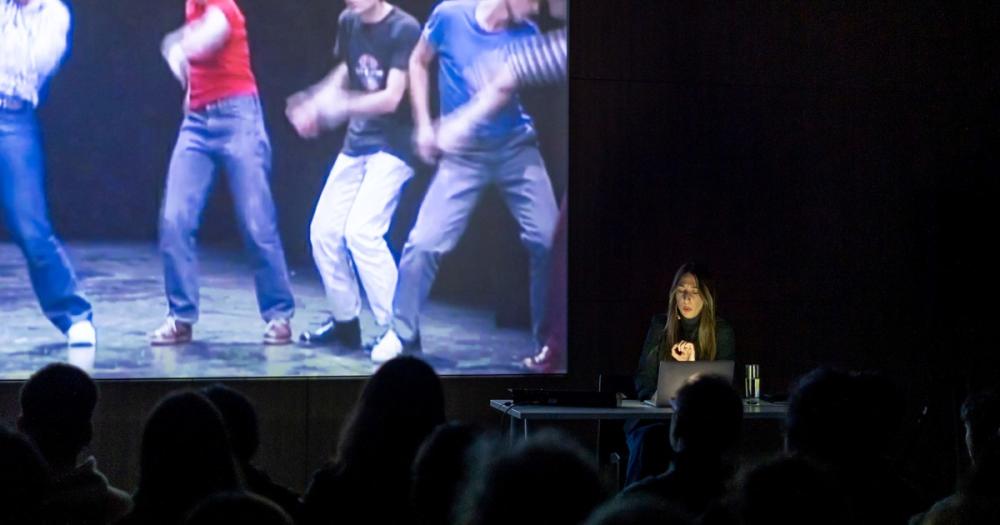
<point x="527" y="63"/>
<point x="504" y="153"/>
<point x="33" y="40"/>
<point x="223" y="128"/>
<point x="531" y="62"/>
<point x="367" y="87"/>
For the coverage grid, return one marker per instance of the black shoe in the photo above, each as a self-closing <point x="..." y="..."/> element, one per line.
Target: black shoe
<point x="343" y="333"/>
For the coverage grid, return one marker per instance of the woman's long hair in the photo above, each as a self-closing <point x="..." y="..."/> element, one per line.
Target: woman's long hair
<point x="398" y="408"/>
<point x="706" y="326"/>
<point x="185" y="457"/>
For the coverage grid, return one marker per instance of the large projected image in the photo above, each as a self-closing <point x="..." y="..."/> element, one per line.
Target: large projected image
<point x="249" y="188"/>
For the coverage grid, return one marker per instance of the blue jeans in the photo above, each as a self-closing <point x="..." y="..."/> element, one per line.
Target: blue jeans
<point x="517" y="170"/>
<point x="22" y="195"/>
<point x="228" y="134"/>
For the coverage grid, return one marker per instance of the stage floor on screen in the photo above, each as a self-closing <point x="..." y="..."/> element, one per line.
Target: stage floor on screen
<point x="125" y="283"/>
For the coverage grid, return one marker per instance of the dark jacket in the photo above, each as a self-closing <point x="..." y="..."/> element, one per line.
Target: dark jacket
<point x="646" y="377"/>
<point x="367" y="497"/>
<point x="261" y="484"/>
<point x="691" y="484"/>
<point x="84" y="496"/>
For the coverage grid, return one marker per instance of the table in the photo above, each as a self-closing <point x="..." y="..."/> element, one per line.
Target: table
<point x="630" y="408"/>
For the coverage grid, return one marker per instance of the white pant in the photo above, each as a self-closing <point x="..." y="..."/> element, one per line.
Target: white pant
<point x="349" y="226"/>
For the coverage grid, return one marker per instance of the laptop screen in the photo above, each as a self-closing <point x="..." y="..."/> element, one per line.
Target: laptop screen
<point x="674" y="374"/>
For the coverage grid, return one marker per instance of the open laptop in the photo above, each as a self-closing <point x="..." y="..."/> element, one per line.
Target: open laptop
<point x="673" y="375"/>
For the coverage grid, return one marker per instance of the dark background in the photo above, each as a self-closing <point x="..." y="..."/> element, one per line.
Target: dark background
<point x="833" y="161"/>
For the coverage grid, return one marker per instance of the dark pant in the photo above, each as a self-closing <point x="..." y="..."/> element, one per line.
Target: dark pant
<point x="22" y="195"/>
<point x="649" y="451"/>
<point x="228" y="134"/>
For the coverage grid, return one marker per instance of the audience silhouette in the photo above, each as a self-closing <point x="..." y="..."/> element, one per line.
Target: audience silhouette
<point x="704" y="434"/>
<point x="240" y="417"/>
<point x="975" y="502"/>
<point x="546" y="479"/>
<point x="368" y="481"/>
<point x="398" y="462"/>
<point x="790" y="490"/>
<point x="185" y="457"/>
<point x="638" y="509"/>
<point x="439" y="471"/>
<point x="24" y="479"/>
<point x="846" y="421"/>
<point x="238" y="507"/>
<point x="57" y="404"/>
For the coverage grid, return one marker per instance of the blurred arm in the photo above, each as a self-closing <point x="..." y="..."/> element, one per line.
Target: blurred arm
<point x="205" y="36"/>
<point x="198" y="39"/>
<point x="420" y="60"/>
<point x="51" y="42"/>
<point x="360" y="103"/>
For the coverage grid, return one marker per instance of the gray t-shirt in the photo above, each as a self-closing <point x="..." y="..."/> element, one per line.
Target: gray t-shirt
<point x="370" y="51"/>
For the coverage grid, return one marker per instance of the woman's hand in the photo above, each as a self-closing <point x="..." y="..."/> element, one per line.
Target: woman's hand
<point x="683" y="351"/>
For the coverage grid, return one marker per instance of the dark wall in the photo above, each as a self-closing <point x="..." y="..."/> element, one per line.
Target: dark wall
<point x="830" y="160"/>
<point x="833" y="161"/>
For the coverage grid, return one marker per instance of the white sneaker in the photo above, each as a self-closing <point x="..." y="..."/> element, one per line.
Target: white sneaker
<point x="388" y="346"/>
<point x="81" y="334"/>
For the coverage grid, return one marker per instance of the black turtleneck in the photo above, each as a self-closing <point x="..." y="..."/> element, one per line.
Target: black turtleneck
<point x="645" y="381"/>
<point x="689" y="328"/>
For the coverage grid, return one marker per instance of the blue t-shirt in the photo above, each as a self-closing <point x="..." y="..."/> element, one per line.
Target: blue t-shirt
<point x="466" y="55"/>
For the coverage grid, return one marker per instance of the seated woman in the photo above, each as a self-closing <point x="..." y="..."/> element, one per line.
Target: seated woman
<point x="689" y="331"/>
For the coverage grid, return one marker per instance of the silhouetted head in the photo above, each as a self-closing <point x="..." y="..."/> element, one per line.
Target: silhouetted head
<point x="240" y="418"/>
<point x="398" y="408"/>
<point x="185" y="457"/>
<point x="707" y="419"/>
<point x="981" y="416"/>
<point x="238" y="507"/>
<point x="979" y="502"/>
<point x="880" y="410"/>
<point x="439" y="470"/>
<point x="548" y="468"/>
<point x="57" y="404"/>
<point x="638" y="509"/>
<point x="839" y="417"/>
<point x="814" y="399"/>
<point x="789" y="490"/>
